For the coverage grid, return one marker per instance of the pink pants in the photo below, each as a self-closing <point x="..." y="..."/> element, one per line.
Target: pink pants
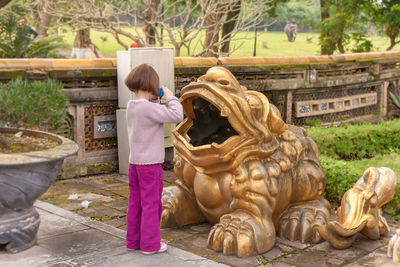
<point x="144" y="207"/>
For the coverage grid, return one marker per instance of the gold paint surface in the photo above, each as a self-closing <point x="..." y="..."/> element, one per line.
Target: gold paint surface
<point x="263" y="181"/>
<point x="394" y="247"/>
<point x="361" y="209"/>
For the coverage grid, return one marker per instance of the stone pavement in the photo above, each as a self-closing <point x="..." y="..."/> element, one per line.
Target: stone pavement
<point x="67" y="239"/>
<point x="108" y="195"/>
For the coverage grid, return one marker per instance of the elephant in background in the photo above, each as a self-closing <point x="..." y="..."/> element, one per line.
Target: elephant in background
<point x="291" y="30"/>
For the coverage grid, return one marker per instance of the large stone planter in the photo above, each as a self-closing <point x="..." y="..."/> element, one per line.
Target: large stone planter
<point x="24" y="177"/>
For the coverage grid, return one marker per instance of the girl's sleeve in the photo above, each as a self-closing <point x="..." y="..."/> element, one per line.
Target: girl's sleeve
<point x="172" y="114"/>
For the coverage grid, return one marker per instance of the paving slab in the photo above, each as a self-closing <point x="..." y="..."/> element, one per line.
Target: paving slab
<point x="54" y="225"/>
<point x="376" y="259"/>
<point x="67" y="239"/>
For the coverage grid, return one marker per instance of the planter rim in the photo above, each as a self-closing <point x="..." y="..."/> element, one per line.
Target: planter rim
<point x="65" y="148"/>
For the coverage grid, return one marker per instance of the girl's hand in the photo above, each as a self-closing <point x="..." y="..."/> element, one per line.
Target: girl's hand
<point x="167" y="93"/>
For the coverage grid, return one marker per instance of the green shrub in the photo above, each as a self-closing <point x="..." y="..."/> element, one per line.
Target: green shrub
<point x="351" y="142"/>
<point x="393" y="207"/>
<point x="17" y="41"/>
<point x="342" y="175"/>
<point x="26" y="104"/>
<point x="313" y="123"/>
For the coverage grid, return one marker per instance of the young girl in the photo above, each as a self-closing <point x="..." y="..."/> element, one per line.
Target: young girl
<point x="145" y="118"/>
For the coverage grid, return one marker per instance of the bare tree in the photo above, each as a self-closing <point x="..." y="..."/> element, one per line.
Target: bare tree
<point x="40" y="10"/>
<point x="228" y="27"/>
<point x="83" y="46"/>
<point x="150" y="18"/>
<point x="232" y="16"/>
<point x="191" y="24"/>
<point x="214" y="24"/>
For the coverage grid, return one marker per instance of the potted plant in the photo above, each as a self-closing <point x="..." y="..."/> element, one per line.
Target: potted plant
<point x="29" y="160"/>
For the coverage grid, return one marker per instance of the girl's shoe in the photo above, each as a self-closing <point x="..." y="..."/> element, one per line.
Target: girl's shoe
<point x="163" y="248"/>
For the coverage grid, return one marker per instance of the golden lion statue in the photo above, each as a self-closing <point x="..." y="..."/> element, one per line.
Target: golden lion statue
<point x="240" y="167"/>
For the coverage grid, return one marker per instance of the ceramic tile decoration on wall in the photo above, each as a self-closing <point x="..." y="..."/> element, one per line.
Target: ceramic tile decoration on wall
<point x="323" y="106"/>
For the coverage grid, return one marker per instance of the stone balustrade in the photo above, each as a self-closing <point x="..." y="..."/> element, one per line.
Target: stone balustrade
<point x="330" y="89"/>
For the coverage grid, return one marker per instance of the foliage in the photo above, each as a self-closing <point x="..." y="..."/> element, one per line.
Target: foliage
<point x="361" y="44"/>
<point x="301" y="12"/>
<point x="340" y="177"/>
<point x="344" y="23"/>
<point x="313" y="123"/>
<point x="385" y="15"/>
<point x="392" y="207"/>
<point x="342" y="19"/>
<point x="359" y="143"/>
<point x="350" y="142"/>
<point x="26" y="104"/>
<point x="17" y="41"/>
<point x="395" y="99"/>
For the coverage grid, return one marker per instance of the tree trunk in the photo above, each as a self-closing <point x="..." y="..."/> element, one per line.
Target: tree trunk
<point x="178" y="50"/>
<point x="340" y="30"/>
<point x="212" y="37"/>
<point x="45" y="19"/>
<point x="150" y="28"/>
<point x="41" y="15"/>
<point x="326" y="48"/>
<point x="392" y="43"/>
<point x="340" y="46"/>
<point x="83" y="46"/>
<point x="3" y="3"/>
<point x="212" y="30"/>
<point x="229" y="25"/>
<point x="392" y="34"/>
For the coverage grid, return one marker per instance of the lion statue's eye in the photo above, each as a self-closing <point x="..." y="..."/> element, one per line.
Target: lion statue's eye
<point x="223" y="82"/>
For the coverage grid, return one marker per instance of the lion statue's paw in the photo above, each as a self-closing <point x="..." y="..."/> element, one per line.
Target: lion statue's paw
<point x="167" y="217"/>
<point x="394" y="247"/>
<point x="241" y="234"/>
<point x="300" y="221"/>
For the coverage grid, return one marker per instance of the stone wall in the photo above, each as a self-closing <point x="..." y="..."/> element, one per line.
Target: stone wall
<point x="330" y="89"/>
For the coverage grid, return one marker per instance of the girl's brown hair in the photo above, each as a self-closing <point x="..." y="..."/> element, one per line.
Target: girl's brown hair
<point x="143" y="77"/>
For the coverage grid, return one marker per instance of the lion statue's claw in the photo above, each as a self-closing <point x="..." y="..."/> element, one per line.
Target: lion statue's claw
<point x="241" y="235"/>
<point x="167" y="217"/>
<point x="300" y="221"/>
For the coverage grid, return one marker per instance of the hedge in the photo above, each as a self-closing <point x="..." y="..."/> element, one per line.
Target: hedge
<point x="354" y="142"/>
<point x="341" y="175"/>
<point x="357" y="141"/>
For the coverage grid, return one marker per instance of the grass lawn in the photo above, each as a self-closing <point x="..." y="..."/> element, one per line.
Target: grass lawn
<point x="277" y="44"/>
<point x="391" y="161"/>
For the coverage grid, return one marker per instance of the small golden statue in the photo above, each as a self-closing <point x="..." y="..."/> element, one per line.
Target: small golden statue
<point x="361" y="209"/>
<point x="241" y="167"/>
<point x="394" y="247"/>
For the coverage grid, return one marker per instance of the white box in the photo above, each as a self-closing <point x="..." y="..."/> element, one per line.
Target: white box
<point x="123" y="144"/>
<point x="162" y="60"/>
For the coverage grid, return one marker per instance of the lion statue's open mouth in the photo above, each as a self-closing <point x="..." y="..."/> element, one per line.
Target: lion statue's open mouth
<point x="208" y="124"/>
<point x="242" y="168"/>
<point x="225" y="121"/>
